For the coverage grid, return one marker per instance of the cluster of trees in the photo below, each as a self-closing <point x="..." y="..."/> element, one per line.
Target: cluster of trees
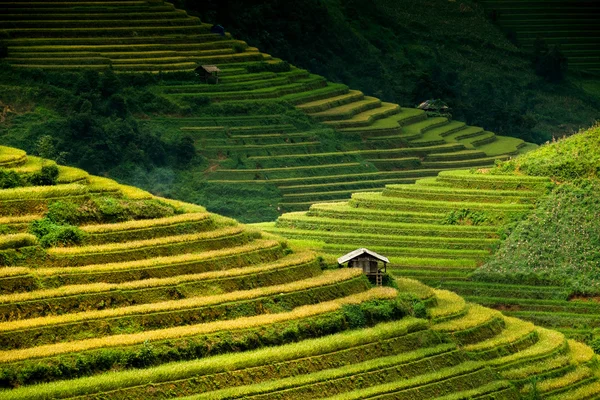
<point x="92" y="124"/>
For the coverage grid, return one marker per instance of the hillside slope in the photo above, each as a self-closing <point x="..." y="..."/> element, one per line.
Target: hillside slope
<point x="117" y="293"/>
<point x="442" y="230"/>
<point x="405" y="52"/>
<point x="269" y="137"/>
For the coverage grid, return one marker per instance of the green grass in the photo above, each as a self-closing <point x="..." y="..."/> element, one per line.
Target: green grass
<point x="562" y="233"/>
<point x="571" y="158"/>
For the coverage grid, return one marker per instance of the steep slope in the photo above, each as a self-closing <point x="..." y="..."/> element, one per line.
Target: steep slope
<point x="441" y="230"/>
<point x="243" y="126"/>
<point x="144" y="297"/>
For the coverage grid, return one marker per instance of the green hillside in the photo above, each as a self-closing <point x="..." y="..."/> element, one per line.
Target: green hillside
<point x="442" y="230"/>
<point x="571" y="25"/>
<point x="268" y="138"/>
<point x="405" y="52"/>
<point x="108" y="291"/>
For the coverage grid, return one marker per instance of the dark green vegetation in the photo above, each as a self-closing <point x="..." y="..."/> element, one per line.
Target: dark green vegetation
<point x="406" y="52"/>
<point x="572" y="26"/>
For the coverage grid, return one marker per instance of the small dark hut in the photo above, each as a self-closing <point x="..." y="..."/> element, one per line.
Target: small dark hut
<point x="210" y="73"/>
<point x="218" y="29"/>
<point x="368" y="261"/>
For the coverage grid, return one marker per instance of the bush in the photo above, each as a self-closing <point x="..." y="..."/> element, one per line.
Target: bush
<point x="467" y="217"/>
<point x="549" y="62"/>
<point x="47" y="176"/>
<point x="10" y="179"/>
<point x="52" y="234"/>
<point x="282" y="66"/>
<point x="3" y="50"/>
<point x="107" y="210"/>
<point x="240" y="47"/>
<point x="63" y="236"/>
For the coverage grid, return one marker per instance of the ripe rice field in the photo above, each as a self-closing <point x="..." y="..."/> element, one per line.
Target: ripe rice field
<point x="254" y="317"/>
<point x="189" y="304"/>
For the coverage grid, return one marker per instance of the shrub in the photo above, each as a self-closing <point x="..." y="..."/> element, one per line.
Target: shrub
<point x="63" y="236"/>
<point x="595" y="345"/>
<point x="549" y="62"/>
<point x="240" y="47"/>
<point x="3" y="50"/>
<point x="282" y="66"/>
<point x="47" y="176"/>
<point x="52" y="234"/>
<point x="10" y="179"/>
<point x="466" y="217"/>
<point x="107" y="210"/>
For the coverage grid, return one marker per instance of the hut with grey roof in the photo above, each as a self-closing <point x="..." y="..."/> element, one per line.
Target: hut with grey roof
<point x="210" y="73"/>
<point x="372" y="264"/>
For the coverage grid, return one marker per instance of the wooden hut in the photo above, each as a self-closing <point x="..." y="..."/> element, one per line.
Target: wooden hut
<point x="373" y="265"/>
<point x="210" y="73"/>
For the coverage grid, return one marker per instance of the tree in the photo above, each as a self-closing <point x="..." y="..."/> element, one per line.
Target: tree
<point x="549" y="61"/>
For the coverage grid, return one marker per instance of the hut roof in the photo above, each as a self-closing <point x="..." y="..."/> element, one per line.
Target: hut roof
<point x="210" y="68"/>
<point x="360" y="252"/>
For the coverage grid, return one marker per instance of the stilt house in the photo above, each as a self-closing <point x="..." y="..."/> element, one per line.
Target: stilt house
<point x="372" y="264"/>
<point x="210" y="73"/>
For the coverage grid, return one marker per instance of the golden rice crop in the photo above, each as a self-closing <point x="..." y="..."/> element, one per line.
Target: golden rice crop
<point x="135" y="193"/>
<point x="19" y="219"/>
<point x="448" y="304"/>
<point x="182" y="206"/>
<point x="536" y="368"/>
<point x="33" y="164"/>
<point x="476" y="316"/>
<point x="101" y="184"/>
<point x="158" y="261"/>
<point x="10" y="154"/>
<point x="567" y="379"/>
<point x="548" y="342"/>
<point x="145" y="223"/>
<point x="42" y="192"/>
<point x="14" y="271"/>
<point x="295" y="259"/>
<point x="325" y="279"/>
<point x="515" y="329"/>
<point x="199" y="329"/>
<point x="414" y="287"/>
<point x="136" y="244"/>
<point x="584" y="392"/>
<point x="71" y="174"/>
<point x="215" y="364"/>
<point x="579" y="352"/>
<point x="17" y="240"/>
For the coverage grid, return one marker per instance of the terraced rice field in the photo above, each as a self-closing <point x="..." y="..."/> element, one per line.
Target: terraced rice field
<point x="571" y="24"/>
<point x="188" y="304"/>
<point x="381" y="143"/>
<point x="439" y="231"/>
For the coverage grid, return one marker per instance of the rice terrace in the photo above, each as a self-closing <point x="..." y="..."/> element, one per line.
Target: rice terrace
<point x="314" y="199"/>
